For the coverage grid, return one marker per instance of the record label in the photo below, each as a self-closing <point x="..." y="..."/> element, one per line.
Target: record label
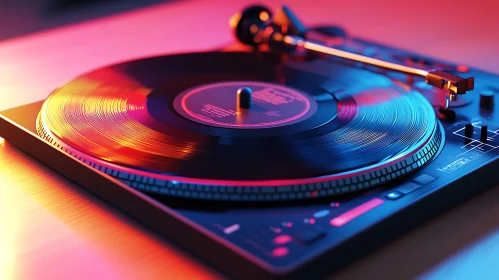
<point x="272" y="105"/>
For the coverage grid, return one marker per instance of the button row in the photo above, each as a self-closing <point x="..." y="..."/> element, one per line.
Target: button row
<point x="304" y="236"/>
<point x="409" y="187"/>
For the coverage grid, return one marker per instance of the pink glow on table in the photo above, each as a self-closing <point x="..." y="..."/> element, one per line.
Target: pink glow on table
<point x="355" y="212"/>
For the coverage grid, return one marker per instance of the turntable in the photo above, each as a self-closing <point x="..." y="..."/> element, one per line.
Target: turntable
<point x="305" y="148"/>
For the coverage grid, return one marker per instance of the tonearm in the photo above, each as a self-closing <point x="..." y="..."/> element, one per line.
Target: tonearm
<point x="255" y="26"/>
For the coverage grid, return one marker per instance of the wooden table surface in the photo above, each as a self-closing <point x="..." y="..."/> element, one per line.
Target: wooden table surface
<point x="50" y="229"/>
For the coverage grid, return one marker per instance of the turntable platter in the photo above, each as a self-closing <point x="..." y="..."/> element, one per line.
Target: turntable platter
<point x="171" y="125"/>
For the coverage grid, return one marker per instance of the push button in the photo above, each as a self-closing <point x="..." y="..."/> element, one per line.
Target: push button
<point x="282" y="239"/>
<point x="394" y="195"/>
<point x="280" y="252"/>
<point x="408" y="188"/>
<point x="424" y="179"/>
<point x="321" y="213"/>
<point x="309" y="235"/>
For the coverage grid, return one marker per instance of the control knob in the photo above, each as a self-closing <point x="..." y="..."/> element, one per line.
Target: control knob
<point x="487" y="100"/>
<point x="468" y="130"/>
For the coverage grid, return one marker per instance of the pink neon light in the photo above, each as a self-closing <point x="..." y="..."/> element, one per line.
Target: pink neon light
<point x="354" y="213"/>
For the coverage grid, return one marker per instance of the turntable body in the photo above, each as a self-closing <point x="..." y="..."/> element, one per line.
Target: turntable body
<point x="57" y="212"/>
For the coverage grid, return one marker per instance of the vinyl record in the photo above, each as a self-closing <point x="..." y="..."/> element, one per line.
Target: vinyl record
<point x="172" y="125"/>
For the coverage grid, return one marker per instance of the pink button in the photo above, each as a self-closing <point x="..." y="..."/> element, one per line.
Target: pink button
<point x="282" y="239"/>
<point x="280" y="252"/>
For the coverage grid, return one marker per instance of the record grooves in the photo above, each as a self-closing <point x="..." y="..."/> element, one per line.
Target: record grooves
<point x="162" y="126"/>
